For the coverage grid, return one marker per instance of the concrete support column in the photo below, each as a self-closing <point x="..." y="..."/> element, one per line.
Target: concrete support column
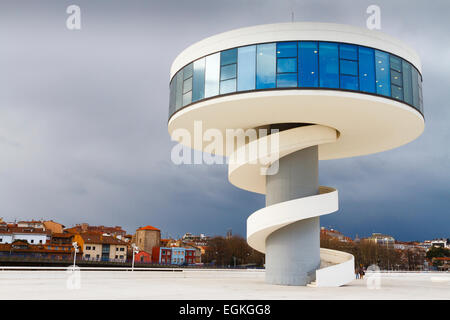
<point x="293" y="252"/>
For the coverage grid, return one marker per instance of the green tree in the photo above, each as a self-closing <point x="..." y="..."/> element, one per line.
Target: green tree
<point x="438" y="252"/>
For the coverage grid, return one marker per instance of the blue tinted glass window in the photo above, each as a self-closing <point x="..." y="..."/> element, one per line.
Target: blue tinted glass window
<point x="227" y="86"/>
<point x="179" y="90"/>
<point x="246" y="69"/>
<point x="286" y="49"/>
<point x="366" y="69"/>
<point x="396" y="63"/>
<point x="382" y="74"/>
<point x="187" y="71"/>
<point x="265" y="66"/>
<point x="172" y="96"/>
<point x="420" y="94"/>
<point x="228" y="57"/>
<point x="287" y="65"/>
<point x="328" y="65"/>
<point x="396" y="78"/>
<point x="397" y="92"/>
<point x="348" y="51"/>
<point x="228" y="72"/>
<point x="308" y="64"/>
<point x="198" y="85"/>
<point x="415" y="87"/>
<point x="407" y="86"/>
<point x="286" y="80"/>
<point x="187" y="98"/>
<point x="212" y="71"/>
<point x="187" y="85"/>
<point x="349" y="82"/>
<point x="349" y="67"/>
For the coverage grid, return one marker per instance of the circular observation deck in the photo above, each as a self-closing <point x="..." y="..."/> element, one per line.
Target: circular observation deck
<point x="364" y="84"/>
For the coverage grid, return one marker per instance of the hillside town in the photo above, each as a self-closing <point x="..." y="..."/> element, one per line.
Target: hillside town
<point x="39" y="241"/>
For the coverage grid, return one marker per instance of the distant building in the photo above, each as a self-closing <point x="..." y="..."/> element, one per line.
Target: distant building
<point x="178" y="255"/>
<point x="381" y="239"/>
<point x="401" y="245"/>
<point x="425" y="245"/>
<point x="31" y="224"/>
<point x="147" y="238"/>
<point x="174" y="255"/>
<point x="197" y="252"/>
<point x="198" y="240"/>
<point x="333" y="234"/>
<point x="116" y="231"/>
<point x="168" y="243"/>
<point x="162" y="255"/>
<point x="11" y="233"/>
<point x="443" y="243"/>
<point x="62" y="238"/>
<point x="143" y="257"/>
<point x="6" y="235"/>
<point x="99" y="247"/>
<point x="53" y="226"/>
<point x="21" y="248"/>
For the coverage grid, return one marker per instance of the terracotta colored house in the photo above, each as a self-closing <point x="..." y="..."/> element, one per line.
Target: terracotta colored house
<point x="143" y="257"/>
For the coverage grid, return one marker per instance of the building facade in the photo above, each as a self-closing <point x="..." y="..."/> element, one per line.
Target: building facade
<point x="174" y="255"/>
<point x="147" y="238"/>
<point x="11" y="233"/>
<point x="53" y="226"/>
<point x="99" y="247"/>
<point x="382" y="239"/>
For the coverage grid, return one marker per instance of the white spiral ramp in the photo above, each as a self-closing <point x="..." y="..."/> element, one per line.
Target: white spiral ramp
<point x="336" y="268"/>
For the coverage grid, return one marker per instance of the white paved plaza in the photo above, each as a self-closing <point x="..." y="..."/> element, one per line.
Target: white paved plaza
<point x="209" y="284"/>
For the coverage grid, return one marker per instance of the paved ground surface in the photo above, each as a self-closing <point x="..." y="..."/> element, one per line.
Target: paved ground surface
<point x="210" y="284"/>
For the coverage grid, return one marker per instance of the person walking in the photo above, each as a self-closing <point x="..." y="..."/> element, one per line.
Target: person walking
<point x="361" y="273"/>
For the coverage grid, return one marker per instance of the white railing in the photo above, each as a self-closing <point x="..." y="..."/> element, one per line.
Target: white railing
<point x="341" y="272"/>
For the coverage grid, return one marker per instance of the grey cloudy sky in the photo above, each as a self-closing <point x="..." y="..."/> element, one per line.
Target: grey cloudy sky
<point x="83" y="119"/>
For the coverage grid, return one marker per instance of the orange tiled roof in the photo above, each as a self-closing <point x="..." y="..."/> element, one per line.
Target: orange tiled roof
<point x="28" y="230"/>
<point x="98" y="238"/>
<point x="32" y="248"/>
<point x="101" y="229"/>
<point x="62" y="235"/>
<point x="149" y="228"/>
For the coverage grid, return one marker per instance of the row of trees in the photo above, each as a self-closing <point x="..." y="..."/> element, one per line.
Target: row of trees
<point x="234" y="252"/>
<point x="438" y="252"/>
<point x="367" y="253"/>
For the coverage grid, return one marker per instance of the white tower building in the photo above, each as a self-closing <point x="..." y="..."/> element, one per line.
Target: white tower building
<point x="332" y="91"/>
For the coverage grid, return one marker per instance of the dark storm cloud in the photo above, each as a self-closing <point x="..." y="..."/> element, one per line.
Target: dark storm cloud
<point x="83" y="115"/>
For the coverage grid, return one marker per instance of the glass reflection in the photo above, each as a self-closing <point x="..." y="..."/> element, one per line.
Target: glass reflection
<point x="297" y="64"/>
<point x="328" y="65"/>
<point x="265" y="66"/>
<point x="212" y="73"/>
<point x="246" y="68"/>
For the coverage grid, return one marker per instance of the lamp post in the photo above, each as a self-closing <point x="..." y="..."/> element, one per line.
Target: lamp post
<point x="75" y="251"/>
<point x="135" y="250"/>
